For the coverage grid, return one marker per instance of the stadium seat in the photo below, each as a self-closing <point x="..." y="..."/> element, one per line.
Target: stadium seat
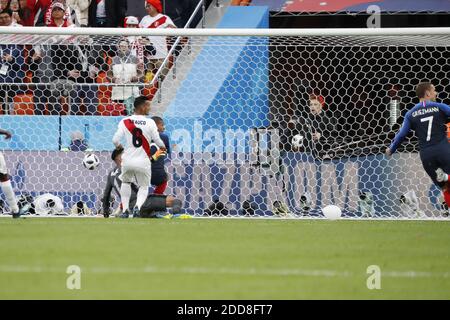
<point x="23" y="104"/>
<point x="111" y="109"/>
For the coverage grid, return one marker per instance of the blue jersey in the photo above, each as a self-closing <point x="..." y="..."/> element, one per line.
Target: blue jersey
<point x="158" y="165"/>
<point x="429" y="121"/>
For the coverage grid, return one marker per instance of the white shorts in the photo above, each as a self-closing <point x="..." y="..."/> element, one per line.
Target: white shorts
<point x="3" y="169"/>
<point x="137" y="173"/>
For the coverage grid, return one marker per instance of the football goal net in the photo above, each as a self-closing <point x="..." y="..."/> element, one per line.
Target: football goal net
<point x="262" y="123"/>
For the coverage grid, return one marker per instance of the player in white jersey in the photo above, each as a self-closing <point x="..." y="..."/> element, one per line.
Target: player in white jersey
<point x="5" y="182"/>
<point x="139" y="132"/>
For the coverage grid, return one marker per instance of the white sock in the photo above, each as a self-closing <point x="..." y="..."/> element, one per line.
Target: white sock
<point x="141" y="196"/>
<point x="10" y="196"/>
<point x="125" y="195"/>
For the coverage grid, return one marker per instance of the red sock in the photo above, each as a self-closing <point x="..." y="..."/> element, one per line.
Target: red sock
<point x="161" y="188"/>
<point x="446" y="192"/>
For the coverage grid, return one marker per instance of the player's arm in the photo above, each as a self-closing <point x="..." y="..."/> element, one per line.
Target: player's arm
<point x="166" y="141"/>
<point x="155" y="136"/>
<point x="156" y="152"/>
<point x="5" y="133"/>
<point x="119" y="135"/>
<point x="445" y="108"/>
<point x="400" y="136"/>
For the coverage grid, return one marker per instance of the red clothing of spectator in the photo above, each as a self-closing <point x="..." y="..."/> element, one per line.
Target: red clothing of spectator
<point x="32" y="10"/>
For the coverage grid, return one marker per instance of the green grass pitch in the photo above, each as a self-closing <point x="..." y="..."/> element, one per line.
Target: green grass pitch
<point x="223" y="259"/>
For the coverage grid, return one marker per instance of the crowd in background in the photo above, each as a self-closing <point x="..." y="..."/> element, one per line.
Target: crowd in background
<point x="64" y="78"/>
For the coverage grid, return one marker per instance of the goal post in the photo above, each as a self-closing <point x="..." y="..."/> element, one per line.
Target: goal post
<point x="266" y="122"/>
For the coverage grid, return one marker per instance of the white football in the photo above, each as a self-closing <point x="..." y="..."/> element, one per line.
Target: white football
<point x="297" y="141"/>
<point x="90" y="161"/>
<point x="332" y="212"/>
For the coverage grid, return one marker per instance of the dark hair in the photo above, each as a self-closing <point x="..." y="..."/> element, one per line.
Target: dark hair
<point x="422" y="88"/>
<point x="157" y="119"/>
<point x="140" y="101"/>
<point x="123" y="40"/>
<point x="116" y="153"/>
<point x="8" y="11"/>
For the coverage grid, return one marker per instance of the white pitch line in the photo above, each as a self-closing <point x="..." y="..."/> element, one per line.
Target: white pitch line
<point x="225" y="271"/>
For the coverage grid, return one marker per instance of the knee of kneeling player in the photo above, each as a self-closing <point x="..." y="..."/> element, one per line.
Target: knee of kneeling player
<point x="4" y="177"/>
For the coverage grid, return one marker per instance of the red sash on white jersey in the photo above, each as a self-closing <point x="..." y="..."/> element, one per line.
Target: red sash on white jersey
<point x="158" y="22"/>
<point x="129" y="124"/>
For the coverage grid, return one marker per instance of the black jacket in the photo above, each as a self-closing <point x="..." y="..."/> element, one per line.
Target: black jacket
<point x="113" y="182"/>
<point x="115" y="13"/>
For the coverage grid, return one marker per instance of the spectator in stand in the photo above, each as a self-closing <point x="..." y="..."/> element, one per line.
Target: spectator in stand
<point x="136" y="43"/>
<point x="69" y="70"/>
<point x="11" y="65"/>
<point x="31" y="10"/>
<point x="140" y="46"/>
<point x="48" y="15"/>
<point x="7" y="20"/>
<point x="155" y="19"/>
<point x="78" y="142"/>
<point x="4" y="4"/>
<point x="15" y="7"/>
<point x="21" y="11"/>
<point x="86" y="63"/>
<point x="107" y="13"/>
<point x="48" y="63"/>
<point x="125" y="69"/>
<point x="80" y="10"/>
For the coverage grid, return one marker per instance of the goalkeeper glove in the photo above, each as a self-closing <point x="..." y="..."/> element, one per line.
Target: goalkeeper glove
<point x="159" y="153"/>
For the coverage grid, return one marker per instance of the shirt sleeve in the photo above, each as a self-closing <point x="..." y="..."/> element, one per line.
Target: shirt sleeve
<point x="445" y="108"/>
<point x="400" y="136"/>
<point x="119" y="134"/>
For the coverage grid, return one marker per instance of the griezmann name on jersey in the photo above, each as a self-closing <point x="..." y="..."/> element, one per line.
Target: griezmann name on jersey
<point x="429" y="121"/>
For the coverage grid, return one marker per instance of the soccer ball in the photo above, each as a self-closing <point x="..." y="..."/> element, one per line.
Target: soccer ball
<point x="332" y="212"/>
<point x="90" y="161"/>
<point x="297" y="141"/>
